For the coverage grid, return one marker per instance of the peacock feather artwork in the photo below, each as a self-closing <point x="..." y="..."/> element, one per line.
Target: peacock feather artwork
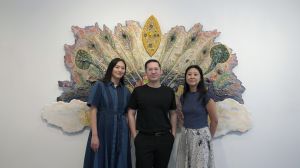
<point x="87" y="60"/>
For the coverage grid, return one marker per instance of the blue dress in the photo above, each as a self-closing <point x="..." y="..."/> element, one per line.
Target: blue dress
<point x="113" y="131"/>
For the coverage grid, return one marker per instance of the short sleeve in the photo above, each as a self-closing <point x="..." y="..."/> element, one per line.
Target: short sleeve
<point x="133" y="100"/>
<point x="206" y="98"/>
<point x="173" y="102"/>
<point x="95" y="95"/>
<point x="128" y="95"/>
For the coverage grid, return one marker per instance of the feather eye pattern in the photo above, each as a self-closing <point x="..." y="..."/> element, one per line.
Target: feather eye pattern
<point x="94" y="47"/>
<point x="88" y="58"/>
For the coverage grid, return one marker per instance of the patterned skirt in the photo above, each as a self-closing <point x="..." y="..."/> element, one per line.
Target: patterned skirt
<point x="195" y="149"/>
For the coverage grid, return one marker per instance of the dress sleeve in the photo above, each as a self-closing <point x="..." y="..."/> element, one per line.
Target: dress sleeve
<point x="128" y="95"/>
<point x="95" y="95"/>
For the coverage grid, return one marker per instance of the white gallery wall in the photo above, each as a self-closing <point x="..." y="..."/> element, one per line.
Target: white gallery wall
<point x="264" y="35"/>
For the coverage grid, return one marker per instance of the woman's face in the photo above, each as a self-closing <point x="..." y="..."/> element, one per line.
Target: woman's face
<point x="192" y="77"/>
<point x="118" y="70"/>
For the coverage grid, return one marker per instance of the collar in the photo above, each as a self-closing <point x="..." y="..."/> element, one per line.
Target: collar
<point x="113" y="85"/>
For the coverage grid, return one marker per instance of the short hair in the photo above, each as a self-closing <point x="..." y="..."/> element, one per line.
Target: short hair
<point x="151" y="60"/>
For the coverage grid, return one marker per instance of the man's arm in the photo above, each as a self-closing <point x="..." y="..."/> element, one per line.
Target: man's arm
<point x="173" y="119"/>
<point x="131" y="121"/>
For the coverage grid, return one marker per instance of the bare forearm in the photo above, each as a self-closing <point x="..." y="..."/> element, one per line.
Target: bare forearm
<point x="94" y="121"/>
<point x="213" y="127"/>
<point x="211" y="108"/>
<point x="131" y="122"/>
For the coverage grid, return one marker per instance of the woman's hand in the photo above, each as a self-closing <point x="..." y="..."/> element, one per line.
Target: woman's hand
<point x="180" y="116"/>
<point x="95" y="143"/>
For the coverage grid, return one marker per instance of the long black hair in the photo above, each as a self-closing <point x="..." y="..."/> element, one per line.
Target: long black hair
<point x="108" y="74"/>
<point x="200" y="87"/>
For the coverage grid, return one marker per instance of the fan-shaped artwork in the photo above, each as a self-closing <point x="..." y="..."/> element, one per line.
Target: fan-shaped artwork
<point x="94" y="47"/>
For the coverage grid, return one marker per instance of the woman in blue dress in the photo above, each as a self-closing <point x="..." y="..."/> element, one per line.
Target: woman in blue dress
<point x="108" y="143"/>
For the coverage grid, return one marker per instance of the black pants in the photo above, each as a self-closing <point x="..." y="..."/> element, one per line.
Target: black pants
<point x="153" y="151"/>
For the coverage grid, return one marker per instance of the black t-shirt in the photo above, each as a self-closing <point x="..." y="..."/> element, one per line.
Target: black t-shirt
<point x="153" y="106"/>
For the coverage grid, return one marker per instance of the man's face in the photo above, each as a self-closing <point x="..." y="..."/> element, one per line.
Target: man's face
<point x="153" y="72"/>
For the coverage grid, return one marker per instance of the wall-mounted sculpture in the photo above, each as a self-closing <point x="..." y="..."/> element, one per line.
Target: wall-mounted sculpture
<point x="88" y="59"/>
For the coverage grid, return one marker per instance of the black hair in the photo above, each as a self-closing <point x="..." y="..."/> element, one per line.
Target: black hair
<point x="200" y="87"/>
<point x="108" y="74"/>
<point x="151" y="60"/>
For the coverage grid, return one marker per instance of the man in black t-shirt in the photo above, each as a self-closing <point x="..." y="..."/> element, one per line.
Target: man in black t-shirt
<point x="154" y="106"/>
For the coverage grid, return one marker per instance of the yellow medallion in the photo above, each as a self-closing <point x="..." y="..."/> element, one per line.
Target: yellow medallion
<point x="151" y="35"/>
